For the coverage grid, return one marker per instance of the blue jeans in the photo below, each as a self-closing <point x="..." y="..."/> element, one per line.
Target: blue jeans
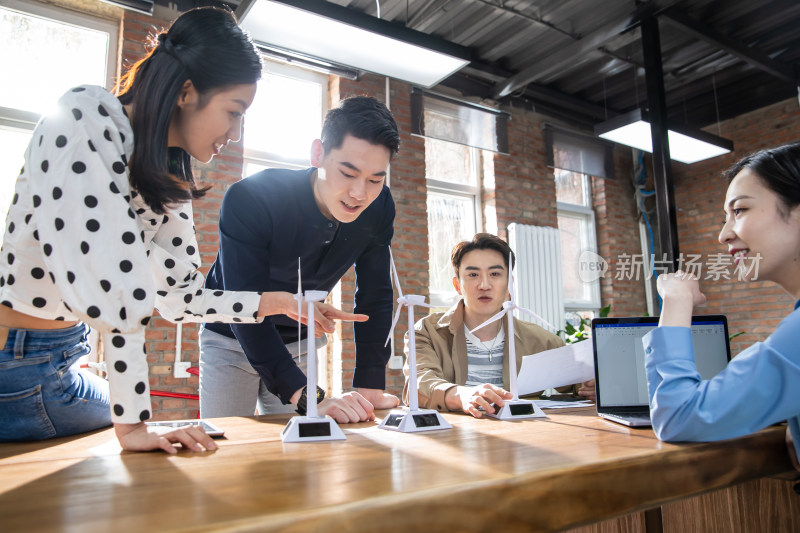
<point x="230" y="386"/>
<point x="43" y="393"/>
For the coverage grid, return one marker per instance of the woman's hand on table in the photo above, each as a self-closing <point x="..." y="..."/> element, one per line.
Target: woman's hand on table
<point x="143" y="438"/>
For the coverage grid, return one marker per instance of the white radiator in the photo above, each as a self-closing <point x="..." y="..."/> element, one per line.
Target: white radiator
<point x="538" y="284"/>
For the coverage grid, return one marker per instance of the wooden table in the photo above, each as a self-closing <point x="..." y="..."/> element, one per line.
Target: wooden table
<point x="570" y="469"/>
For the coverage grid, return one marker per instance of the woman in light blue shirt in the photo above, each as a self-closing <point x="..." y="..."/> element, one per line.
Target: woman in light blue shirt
<point x="760" y="385"/>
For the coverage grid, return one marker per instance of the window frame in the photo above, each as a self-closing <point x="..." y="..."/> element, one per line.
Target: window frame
<point x="460" y="191"/>
<point x="23" y="120"/>
<point x="587" y="215"/>
<point x="274" y="159"/>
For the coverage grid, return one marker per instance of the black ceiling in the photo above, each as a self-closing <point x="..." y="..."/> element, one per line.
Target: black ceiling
<point x="582" y="60"/>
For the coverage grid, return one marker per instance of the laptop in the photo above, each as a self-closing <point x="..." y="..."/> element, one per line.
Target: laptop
<point x="620" y="379"/>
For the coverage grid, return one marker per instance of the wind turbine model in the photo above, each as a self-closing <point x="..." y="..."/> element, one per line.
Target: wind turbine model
<point x="412" y="418"/>
<point x="311" y="427"/>
<point x="515" y="408"/>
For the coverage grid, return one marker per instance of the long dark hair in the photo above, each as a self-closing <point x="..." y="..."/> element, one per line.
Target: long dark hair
<point x="206" y="46"/>
<point x="778" y="168"/>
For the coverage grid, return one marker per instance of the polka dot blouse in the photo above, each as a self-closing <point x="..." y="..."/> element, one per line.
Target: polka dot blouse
<point x="82" y="245"/>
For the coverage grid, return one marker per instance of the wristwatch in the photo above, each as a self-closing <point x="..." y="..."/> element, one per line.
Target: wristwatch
<point x="302" y="402"/>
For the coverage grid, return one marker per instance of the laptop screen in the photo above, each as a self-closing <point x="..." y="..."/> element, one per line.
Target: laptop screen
<point x="619" y="356"/>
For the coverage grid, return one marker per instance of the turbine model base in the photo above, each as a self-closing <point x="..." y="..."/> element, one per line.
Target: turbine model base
<point x="517" y="410"/>
<point x="307" y="429"/>
<point x="407" y="421"/>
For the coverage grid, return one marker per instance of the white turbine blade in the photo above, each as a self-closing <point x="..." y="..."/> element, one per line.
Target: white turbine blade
<point x="537" y="317"/>
<point x="496" y="317"/>
<point x="417" y="300"/>
<point x="394" y="323"/>
<point x="394" y="274"/>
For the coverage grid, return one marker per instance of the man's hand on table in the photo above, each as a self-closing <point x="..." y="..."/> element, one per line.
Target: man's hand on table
<point x="348" y="408"/>
<point x="352" y="407"/>
<point x="379" y="399"/>
<point x="472" y="399"/>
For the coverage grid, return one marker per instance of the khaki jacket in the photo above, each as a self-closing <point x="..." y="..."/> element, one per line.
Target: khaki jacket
<point x="442" y="353"/>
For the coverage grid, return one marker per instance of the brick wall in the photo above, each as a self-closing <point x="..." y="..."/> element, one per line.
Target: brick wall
<point x="617" y="237"/>
<point x="755" y="308"/>
<point x="525" y="191"/>
<point x="409" y="246"/>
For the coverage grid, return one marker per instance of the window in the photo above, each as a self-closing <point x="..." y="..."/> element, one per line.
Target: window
<point x="48" y="50"/>
<point x="285" y="118"/>
<point x="453" y="178"/>
<point x="279" y="127"/>
<point x="574" y="157"/>
<point x="460" y="139"/>
<point x="577" y="230"/>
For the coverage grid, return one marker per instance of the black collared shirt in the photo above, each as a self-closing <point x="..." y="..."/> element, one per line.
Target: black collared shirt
<point x="269" y="220"/>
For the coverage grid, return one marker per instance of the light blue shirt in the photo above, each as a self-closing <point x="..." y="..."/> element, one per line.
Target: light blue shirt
<point x="759" y="387"/>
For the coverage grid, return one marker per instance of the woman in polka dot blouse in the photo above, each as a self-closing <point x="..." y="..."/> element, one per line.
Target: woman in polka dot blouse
<point x="100" y="232"/>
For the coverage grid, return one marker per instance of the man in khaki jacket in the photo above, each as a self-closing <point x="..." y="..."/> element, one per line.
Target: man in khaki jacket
<point x="461" y="371"/>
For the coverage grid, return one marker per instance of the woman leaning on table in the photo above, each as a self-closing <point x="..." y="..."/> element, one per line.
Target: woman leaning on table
<point x="759" y="386"/>
<point x="100" y="231"/>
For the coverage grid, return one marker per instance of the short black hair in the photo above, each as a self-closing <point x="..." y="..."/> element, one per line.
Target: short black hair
<point x="363" y="117"/>
<point x="481" y="241"/>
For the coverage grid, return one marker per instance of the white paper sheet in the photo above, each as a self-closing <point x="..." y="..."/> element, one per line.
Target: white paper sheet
<point x="570" y="364"/>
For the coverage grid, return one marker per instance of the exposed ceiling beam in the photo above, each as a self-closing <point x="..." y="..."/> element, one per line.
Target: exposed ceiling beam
<point x="736" y="48"/>
<point x="590" y="42"/>
<point x="549" y="25"/>
<point x="423" y="15"/>
<point x="589" y="109"/>
<point x="539" y="92"/>
<point x="531" y="18"/>
<point x="563" y="110"/>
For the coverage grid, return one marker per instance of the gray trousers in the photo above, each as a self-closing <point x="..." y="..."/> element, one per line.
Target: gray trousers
<point x="229" y="386"/>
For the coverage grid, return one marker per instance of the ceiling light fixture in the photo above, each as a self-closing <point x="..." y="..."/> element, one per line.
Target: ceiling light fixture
<point x="336" y="34"/>
<point x="317" y="65"/>
<point x="685" y="144"/>
<point x="141" y="6"/>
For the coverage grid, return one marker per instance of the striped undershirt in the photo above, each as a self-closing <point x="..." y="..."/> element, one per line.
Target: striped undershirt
<point x="483" y="366"/>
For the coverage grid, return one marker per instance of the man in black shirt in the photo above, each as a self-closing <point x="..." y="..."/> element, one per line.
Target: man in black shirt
<point x="335" y="214"/>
